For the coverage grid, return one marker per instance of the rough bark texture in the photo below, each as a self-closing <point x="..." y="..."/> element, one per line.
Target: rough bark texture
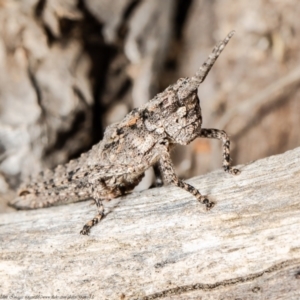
<point x="160" y="243"/>
<point x="46" y="95"/>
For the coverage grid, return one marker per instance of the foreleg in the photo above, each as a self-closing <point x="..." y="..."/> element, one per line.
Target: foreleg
<point x="221" y="135"/>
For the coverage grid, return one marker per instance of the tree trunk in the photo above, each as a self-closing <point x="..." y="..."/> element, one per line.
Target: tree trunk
<point x="160" y="243"/>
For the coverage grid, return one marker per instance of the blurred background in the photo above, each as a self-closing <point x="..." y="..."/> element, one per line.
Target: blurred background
<point x="69" y="68"/>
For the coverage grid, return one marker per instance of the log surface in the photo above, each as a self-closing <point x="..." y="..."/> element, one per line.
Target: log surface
<point x="160" y="243"/>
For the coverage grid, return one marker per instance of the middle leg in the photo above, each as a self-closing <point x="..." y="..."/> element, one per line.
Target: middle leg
<point x="169" y="175"/>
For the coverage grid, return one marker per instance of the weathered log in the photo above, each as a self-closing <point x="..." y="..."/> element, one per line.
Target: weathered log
<point x="160" y="243"/>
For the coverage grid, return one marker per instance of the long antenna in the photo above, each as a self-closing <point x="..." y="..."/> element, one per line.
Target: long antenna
<point x="201" y="74"/>
<point x="207" y="65"/>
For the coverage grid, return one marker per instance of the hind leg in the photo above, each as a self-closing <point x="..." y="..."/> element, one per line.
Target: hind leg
<point x="87" y="227"/>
